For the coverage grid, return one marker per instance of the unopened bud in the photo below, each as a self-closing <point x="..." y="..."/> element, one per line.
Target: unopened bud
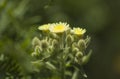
<point x="74" y="45"/>
<point x="53" y="35"/>
<point x="44" y="44"/>
<point x="35" y="41"/>
<point x="86" y="58"/>
<point x="79" y="54"/>
<point x="75" y="50"/>
<point x="55" y="43"/>
<point x="81" y="44"/>
<point x="69" y="39"/>
<point x="34" y="54"/>
<point x="78" y="57"/>
<point x="38" y="49"/>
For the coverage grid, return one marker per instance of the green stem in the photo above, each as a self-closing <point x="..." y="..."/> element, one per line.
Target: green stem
<point x="63" y="69"/>
<point x="62" y="59"/>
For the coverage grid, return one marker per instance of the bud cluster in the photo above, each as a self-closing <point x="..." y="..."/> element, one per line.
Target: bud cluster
<point x="61" y="44"/>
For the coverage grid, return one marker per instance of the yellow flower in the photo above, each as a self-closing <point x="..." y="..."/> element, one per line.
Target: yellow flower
<point x="59" y="27"/>
<point x="78" y="31"/>
<point x="44" y="27"/>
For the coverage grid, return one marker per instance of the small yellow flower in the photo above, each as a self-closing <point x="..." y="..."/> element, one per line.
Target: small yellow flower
<point x="59" y="27"/>
<point x="44" y="27"/>
<point x="78" y="31"/>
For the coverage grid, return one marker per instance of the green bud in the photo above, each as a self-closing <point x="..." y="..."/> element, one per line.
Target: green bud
<point x="74" y="45"/>
<point x="53" y="35"/>
<point x="79" y="54"/>
<point x="78" y="57"/>
<point x="81" y="44"/>
<point x="50" y="50"/>
<point x="34" y="54"/>
<point x="75" y="50"/>
<point x="44" y="44"/>
<point x="55" y="43"/>
<point x="87" y="40"/>
<point x="50" y="41"/>
<point x="69" y="39"/>
<point x="35" y="41"/>
<point x="38" y="50"/>
<point x="86" y="58"/>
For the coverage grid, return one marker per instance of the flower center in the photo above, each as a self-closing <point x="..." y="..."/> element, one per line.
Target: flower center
<point x="77" y="31"/>
<point x="59" y="28"/>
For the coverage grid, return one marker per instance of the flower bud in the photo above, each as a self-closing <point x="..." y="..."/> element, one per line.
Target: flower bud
<point x="55" y="43"/>
<point x="78" y="57"/>
<point x="86" y="58"/>
<point x="50" y="41"/>
<point x="75" y="50"/>
<point x="44" y="44"/>
<point x="81" y="44"/>
<point x="74" y="45"/>
<point x="50" y="50"/>
<point x="79" y="54"/>
<point x="38" y="49"/>
<point x="69" y="39"/>
<point x="53" y="35"/>
<point x="87" y="40"/>
<point x="35" y="41"/>
<point x="34" y="54"/>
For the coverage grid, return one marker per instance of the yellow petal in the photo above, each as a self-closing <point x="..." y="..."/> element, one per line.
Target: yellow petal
<point x="44" y="27"/>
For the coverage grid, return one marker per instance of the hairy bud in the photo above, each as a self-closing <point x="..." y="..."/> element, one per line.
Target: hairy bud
<point x="55" y="43"/>
<point x="81" y="44"/>
<point x="75" y="50"/>
<point x="78" y="57"/>
<point x="35" y="41"/>
<point x="38" y="49"/>
<point x="44" y="44"/>
<point x="69" y="39"/>
<point x="79" y="54"/>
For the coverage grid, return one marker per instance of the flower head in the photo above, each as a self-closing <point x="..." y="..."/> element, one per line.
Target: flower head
<point x="59" y="27"/>
<point x="44" y="27"/>
<point x="78" y="31"/>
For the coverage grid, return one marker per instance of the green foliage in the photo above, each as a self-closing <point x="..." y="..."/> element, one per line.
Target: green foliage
<point x="14" y="39"/>
<point x="19" y="20"/>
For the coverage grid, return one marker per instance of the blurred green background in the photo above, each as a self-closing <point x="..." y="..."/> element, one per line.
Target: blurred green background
<point x="19" y="20"/>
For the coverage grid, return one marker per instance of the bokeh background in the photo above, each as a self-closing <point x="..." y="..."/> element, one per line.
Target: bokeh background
<point x="19" y="20"/>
